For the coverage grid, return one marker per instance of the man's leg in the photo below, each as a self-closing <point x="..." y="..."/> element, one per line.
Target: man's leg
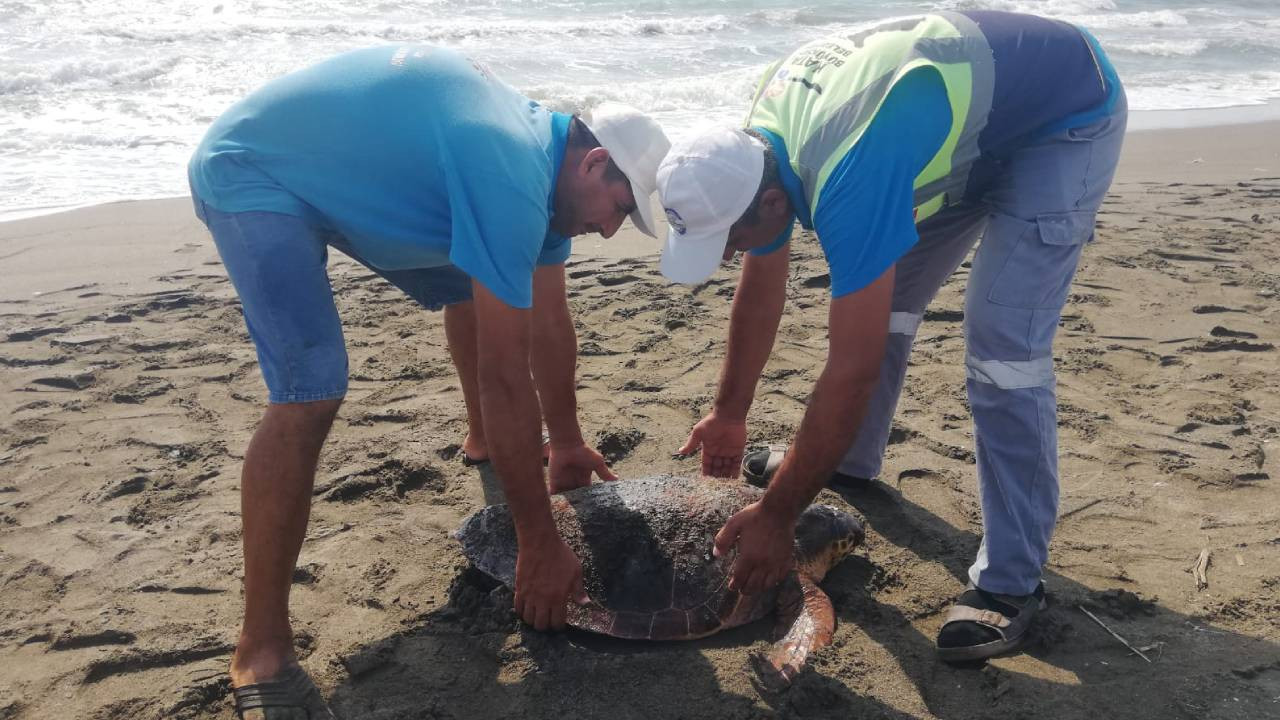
<point x="277" y="264"/>
<point x="944" y="242"/>
<point x="460" y="331"/>
<point x="1044" y="208"/>
<point x="275" y="504"/>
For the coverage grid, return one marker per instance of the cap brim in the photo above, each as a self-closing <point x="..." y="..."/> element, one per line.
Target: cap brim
<point x="642" y="217"/>
<point x="689" y="260"/>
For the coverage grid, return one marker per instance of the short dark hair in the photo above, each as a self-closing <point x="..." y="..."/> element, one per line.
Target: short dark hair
<point x="582" y="139"/>
<point x="771" y="177"/>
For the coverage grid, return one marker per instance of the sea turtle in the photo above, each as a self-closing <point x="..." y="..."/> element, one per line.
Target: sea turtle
<point x="645" y="546"/>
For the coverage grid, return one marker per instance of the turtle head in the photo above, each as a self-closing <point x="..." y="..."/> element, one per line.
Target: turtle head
<point x="824" y="537"/>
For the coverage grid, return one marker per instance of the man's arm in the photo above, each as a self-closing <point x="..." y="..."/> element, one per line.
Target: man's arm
<point x="554" y="360"/>
<point x="753" y="325"/>
<point x="547" y="572"/>
<point x="764" y="531"/>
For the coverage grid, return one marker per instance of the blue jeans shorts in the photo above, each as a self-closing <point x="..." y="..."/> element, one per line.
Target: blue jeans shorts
<point x="277" y="264"/>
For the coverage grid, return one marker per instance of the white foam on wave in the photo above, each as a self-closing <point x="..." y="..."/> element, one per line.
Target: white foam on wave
<point x="1093" y="14"/>
<point x="105" y="73"/>
<point x="99" y="99"/>
<point x="1193" y="90"/>
<point x="718" y="97"/>
<point x="438" y="29"/>
<point x="1166" y="48"/>
<point x="1146" y="19"/>
<point x="1050" y="8"/>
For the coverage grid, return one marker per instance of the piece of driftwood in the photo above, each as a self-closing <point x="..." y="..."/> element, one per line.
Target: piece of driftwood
<point x="1113" y="633"/>
<point x="1201" y="570"/>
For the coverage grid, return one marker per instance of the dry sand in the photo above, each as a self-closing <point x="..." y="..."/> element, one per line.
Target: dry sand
<point x="129" y="390"/>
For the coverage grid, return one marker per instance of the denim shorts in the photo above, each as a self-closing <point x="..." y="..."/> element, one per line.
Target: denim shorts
<point x="277" y="264"/>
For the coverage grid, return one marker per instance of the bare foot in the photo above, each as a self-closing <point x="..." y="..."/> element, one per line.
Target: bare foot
<point x="260" y="662"/>
<point x="477" y="451"/>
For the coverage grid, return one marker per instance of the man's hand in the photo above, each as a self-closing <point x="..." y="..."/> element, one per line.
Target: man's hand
<point x="766" y="538"/>
<point x="548" y="576"/>
<point x="722" y="441"/>
<point x="573" y="466"/>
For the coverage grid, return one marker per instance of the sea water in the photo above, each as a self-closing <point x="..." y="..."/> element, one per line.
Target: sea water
<point x="103" y="101"/>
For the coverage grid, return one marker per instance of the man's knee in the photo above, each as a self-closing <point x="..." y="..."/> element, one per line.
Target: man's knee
<point x="314" y="416"/>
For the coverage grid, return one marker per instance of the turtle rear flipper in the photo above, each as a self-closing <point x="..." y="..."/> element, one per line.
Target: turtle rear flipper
<point x="809" y="621"/>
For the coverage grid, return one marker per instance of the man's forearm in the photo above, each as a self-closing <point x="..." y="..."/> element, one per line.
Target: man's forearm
<point x="753" y="324"/>
<point x="555" y="368"/>
<point x="510" y="408"/>
<point x="859" y="325"/>
<point x="830" y="424"/>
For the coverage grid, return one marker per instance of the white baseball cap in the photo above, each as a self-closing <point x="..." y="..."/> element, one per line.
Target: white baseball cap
<point x="636" y="144"/>
<point x="705" y="184"/>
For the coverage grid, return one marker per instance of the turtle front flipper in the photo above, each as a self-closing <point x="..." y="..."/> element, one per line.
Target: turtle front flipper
<point x="810" y="621"/>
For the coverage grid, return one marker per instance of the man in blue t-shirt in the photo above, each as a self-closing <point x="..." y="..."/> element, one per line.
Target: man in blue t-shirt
<point x="900" y="146"/>
<point x="418" y="163"/>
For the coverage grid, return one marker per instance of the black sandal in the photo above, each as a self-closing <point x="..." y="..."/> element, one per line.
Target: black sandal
<point x="759" y="466"/>
<point x="282" y="697"/>
<point x="982" y="625"/>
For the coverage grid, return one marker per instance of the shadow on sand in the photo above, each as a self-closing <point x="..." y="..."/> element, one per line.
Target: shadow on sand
<point x="471" y="659"/>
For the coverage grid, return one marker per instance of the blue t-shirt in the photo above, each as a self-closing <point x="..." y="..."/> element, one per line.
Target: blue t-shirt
<point x="417" y="155"/>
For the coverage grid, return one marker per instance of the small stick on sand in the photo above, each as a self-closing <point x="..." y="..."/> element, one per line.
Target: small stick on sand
<point x="1085" y="506"/>
<point x="1201" y="570"/>
<point x="1113" y="633"/>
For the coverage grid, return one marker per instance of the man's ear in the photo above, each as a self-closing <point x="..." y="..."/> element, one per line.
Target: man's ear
<point x="595" y="161"/>
<point x="774" y="204"/>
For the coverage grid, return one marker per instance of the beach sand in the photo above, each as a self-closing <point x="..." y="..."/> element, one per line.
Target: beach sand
<point x="129" y="391"/>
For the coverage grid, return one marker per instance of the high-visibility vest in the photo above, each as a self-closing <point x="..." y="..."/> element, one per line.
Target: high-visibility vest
<point x="823" y="97"/>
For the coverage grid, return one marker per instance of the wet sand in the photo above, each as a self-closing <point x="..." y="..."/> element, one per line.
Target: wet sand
<point x="129" y="390"/>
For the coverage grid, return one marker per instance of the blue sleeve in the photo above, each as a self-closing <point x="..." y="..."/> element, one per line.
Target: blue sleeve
<point x="865" y="218"/>
<point x="497" y="232"/>
<point x="555" y="249"/>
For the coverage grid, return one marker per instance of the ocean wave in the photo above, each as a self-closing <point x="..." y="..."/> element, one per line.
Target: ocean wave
<point x="1166" y="48"/>
<point x="1189" y="91"/>
<point x="709" y="92"/>
<point x="1094" y="14"/>
<point x="803" y="17"/>
<point x="114" y="73"/>
<point x="1050" y="8"/>
<point x="1142" y="20"/>
<point x="447" y="30"/>
<point x="36" y="140"/>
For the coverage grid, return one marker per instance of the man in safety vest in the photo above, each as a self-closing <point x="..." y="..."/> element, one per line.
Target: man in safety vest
<point x="900" y="146"/>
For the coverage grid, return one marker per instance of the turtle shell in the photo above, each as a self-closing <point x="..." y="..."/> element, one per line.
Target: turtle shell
<point x="645" y="546"/>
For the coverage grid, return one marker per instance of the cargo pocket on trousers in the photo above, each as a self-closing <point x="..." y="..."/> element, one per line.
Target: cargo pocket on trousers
<point x="1037" y="272"/>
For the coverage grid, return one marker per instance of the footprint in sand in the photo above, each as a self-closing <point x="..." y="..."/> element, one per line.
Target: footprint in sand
<point x="78" y="381"/>
<point x="1220" y="331"/>
<point x="1219" y="345"/>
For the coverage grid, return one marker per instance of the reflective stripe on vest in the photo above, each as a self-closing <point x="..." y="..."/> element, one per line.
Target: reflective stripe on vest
<point x="821" y="99"/>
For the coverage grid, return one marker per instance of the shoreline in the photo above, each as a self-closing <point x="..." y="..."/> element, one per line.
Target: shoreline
<point x="1141" y="123"/>
<point x="137" y="246"/>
